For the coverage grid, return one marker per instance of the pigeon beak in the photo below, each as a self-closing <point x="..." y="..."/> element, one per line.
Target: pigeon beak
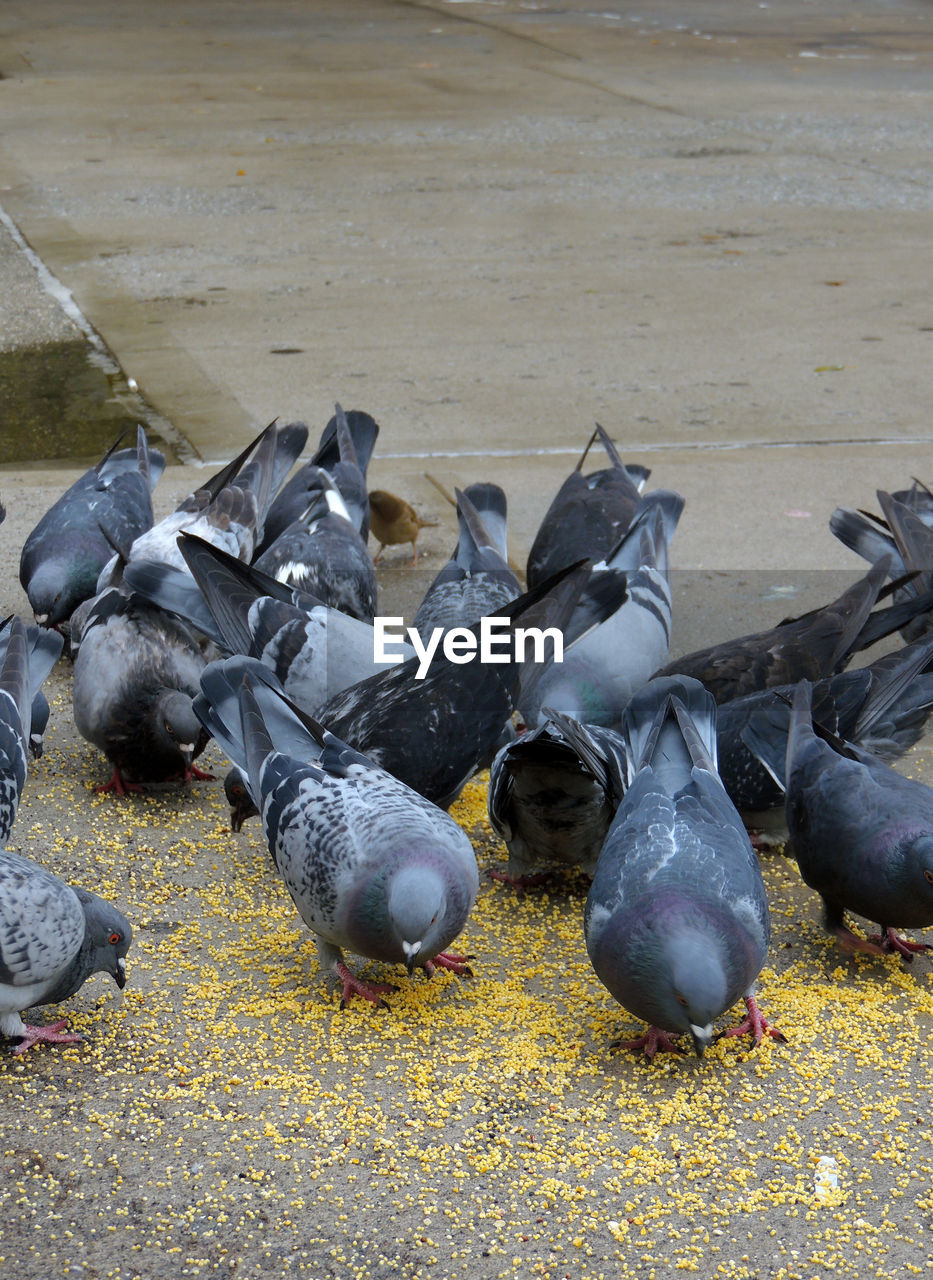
<point x="41" y="619"/>
<point x="120" y="975"/>
<point x="701" y="1037"/>
<point x="411" y="950"/>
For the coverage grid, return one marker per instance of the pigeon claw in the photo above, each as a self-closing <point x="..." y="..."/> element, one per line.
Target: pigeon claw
<point x="118" y="784"/>
<point x="653" y="1041"/>
<point x="354" y="986"/>
<point x="755" y="1024"/>
<point x="852" y="943"/>
<point x="50" y="1034"/>
<point x="455" y="964"/>
<point x="889" y="942"/>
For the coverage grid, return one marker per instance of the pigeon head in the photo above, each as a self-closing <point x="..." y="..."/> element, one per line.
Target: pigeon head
<point x="417" y="913"/>
<point x="176" y="722"/>
<point x="107" y="936"/>
<point x="49" y="596"/>
<point x="697" y="992"/>
<point x="239" y="798"/>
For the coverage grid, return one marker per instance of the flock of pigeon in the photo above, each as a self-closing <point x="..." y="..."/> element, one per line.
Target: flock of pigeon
<point x="247" y="616"/>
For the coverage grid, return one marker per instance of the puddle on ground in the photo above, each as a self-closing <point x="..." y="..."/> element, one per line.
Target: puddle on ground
<point x="58" y="405"/>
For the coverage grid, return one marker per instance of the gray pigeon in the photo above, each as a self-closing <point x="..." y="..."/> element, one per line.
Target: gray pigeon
<point x="315" y="651"/>
<point x="602" y="669"/>
<point x="883" y="707"/>
<point x="344" y="451"/>
<point x="135" y="676"/>
<point x="436" y="729"/>
<point x="323" y="553"/>
<point x="862" y="834"/>
<point x="52" y="938"/>
<point x="66" y="551"/>
<point x="904" y="539"/>
<point x="553" y="794"/>
<point x="676" y="923"/>
<point x="589" y="515"/>
<point x="477" y="579"/>
<point x="27" y="655"/>
<point x="229" y="510"/>
<point x="813" y="646"/>
<point x="371" y="866"/>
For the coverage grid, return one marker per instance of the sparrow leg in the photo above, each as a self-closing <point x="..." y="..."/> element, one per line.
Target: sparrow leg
<point x="444" y="960"/>
<point x="379" y="553"/>
<point x="414" y="555"/>
<point x="352" y="985"/>
<point x="118" y="784"/>
<point x="653" y="1041"/>
<point x="50" y="1034"/>
<point x="889" y="941"/>
<point x="756" y="1024"/>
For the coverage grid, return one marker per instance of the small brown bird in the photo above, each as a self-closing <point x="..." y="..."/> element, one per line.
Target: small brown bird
<point x="393" y="521"/>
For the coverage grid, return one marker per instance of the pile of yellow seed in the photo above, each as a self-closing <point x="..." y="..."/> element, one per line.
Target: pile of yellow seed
<point x="224" y="1117"/>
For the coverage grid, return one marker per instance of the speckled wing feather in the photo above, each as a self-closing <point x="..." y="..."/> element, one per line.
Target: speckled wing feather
<point x="342" y="833"/>
<point x="41" y="926"/>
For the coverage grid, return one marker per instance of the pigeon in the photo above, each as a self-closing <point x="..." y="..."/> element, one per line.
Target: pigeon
<point x="323" y="553"/>
<point x="589" y="516"/>
<point x="315" y="651"/>
<point x="371" y="866"/>
<point x="817" y="644"/>
<point x="135" y="676"/>
<point x="676" y="921"/>
<point x="25" y="661"/>
<point x="553" y="793"/>
<point x="477" y="578"/>
<point x="904" y="538"/>
<point x="45" y="648"/>
<point x="52" y="938"/>
<point x="862" y="833"/>
<point x="601" y="671"/>
<point x="229" y="510"/>
<point x="434" y="731"/>
<point x="345" y="449"/>
<point x="883" y="707"/>
<point x="64" y="554"/>
<point x="393" y="521"/>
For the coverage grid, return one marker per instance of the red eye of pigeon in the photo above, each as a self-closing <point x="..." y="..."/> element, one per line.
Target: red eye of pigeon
<point x="114" y="939"/>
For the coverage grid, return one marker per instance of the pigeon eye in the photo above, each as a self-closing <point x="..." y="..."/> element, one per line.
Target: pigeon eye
<point x="682" y="1000"/>
<point x="114" y="939"/>
<point x="928" y="875"/>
